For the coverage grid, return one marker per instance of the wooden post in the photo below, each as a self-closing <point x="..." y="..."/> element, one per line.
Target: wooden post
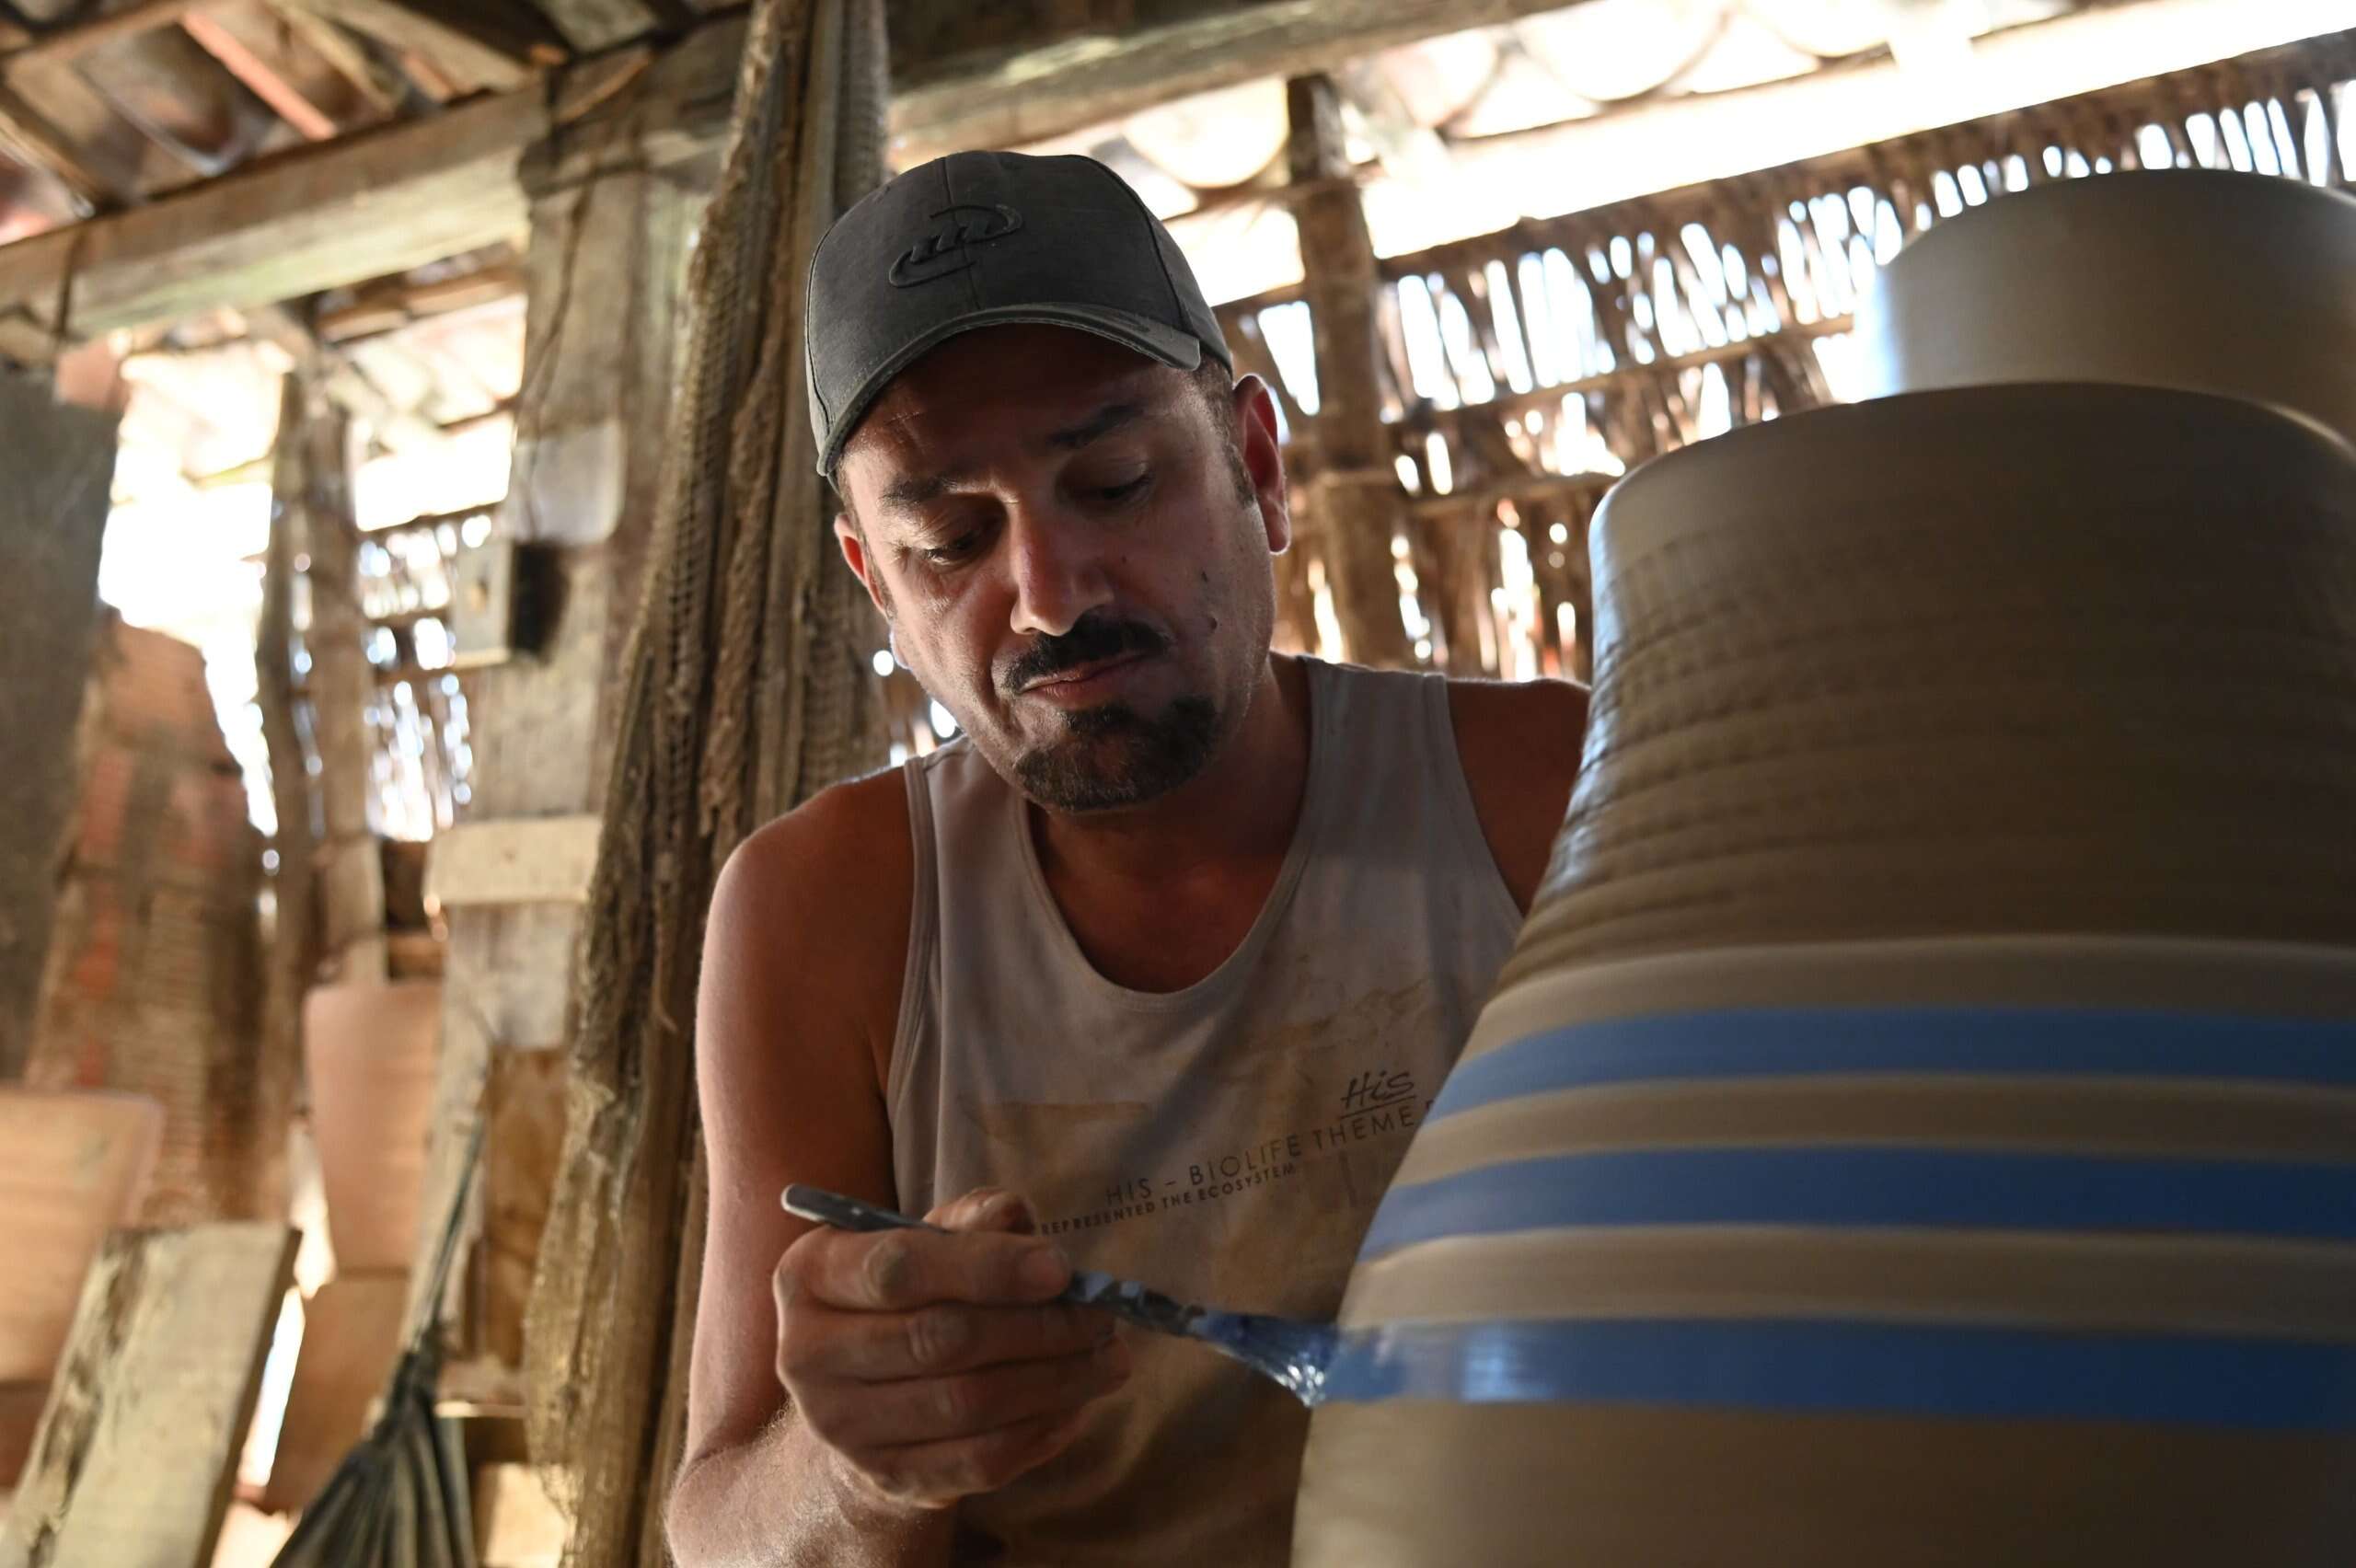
<point x="59" y="460"/>
<point x="609" y="241"/>
<point x="1354" y="495"/>
<point x="292" y="961"/>
<point x="349" y="862"/>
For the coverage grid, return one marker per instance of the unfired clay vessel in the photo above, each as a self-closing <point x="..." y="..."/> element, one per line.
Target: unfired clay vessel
<point x="1918" y="1126"/>
<point x="2202" y="279"/>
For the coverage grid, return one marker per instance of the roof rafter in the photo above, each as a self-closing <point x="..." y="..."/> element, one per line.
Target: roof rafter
<point x="62" y="44"/>
<point x="482" y="45"/>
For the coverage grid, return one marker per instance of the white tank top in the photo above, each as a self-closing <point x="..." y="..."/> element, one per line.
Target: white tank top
<point x="1225" y="1143"/>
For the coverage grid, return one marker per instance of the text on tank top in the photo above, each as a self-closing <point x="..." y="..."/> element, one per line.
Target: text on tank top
<point x="1225" y="1143"/>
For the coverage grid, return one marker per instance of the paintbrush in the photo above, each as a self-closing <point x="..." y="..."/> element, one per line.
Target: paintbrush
<point x="1287" y="1352"/>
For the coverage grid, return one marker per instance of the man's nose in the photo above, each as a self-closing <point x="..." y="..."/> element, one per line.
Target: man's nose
<point x="1058" y="571"/>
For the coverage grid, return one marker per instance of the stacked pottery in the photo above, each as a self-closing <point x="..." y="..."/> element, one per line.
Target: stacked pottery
<point x="2204" y="279"/>
<point x="1918" y="1124"/>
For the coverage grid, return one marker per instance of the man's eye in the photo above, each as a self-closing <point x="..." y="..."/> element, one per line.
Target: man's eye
<point x="959" y="548"/>
<point x="1125" y="491"/>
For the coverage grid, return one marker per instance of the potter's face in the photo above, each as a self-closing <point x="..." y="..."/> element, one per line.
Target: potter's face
<point x="1073" y="545"/>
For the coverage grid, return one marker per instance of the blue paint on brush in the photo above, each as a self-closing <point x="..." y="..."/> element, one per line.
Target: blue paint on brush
<point x="1288" y="1352"/>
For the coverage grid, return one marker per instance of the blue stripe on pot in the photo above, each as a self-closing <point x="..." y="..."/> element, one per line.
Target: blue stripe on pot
<point x="1859" y="1185"/>
<point x="1867" y="1368"/>
<point x="1783" y="1042"/>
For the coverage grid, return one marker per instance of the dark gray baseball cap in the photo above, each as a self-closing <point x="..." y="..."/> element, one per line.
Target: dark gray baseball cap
<point x="986" y="240"/>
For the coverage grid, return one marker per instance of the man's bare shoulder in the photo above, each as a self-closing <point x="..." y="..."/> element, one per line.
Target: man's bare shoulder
<point x="1518" y="742"/>
<point x="842" y="829"/>
<point x="816" y="904"/>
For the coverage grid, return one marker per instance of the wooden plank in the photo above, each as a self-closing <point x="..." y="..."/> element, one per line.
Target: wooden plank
<point x="405" y="195"/>
<point x="1114" y="68"/>
<point x="411" y="194"/>
<point x="73" y="1167"/>
<point x="29" y="134"/>
<point x="150" y="1406"/>
<point x="480" y="44"/>
<point x="506" y="990"/>
<point x="68" y="43"/>
<point x="318" y="218"/>
<point x="261" y="58"/>
<point x="392" y="303"/>
<point x="375" y="84"/>
<point x="162" y="83"/>
<point x="58" y="458"/>
<point x="523" y="1153"/>
<point x="372" y="1053"/>
<point x="352" y="1334"/>
<point x="515" y="860"/>
<point x="591" y="25"/>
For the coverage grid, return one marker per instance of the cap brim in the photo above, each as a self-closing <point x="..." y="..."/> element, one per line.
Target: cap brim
<point x="1157" y="340"/>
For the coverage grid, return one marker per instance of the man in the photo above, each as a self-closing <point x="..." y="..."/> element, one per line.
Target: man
<point x="1153" y="971"/>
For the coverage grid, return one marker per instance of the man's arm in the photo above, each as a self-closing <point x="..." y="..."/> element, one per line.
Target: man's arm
<point x="792" y="995"/>
<point x="922" y="1367"/>
<point x="1519" y="744"/>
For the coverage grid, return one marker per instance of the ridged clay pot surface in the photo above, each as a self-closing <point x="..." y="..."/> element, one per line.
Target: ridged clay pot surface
<point x="1918" y="1126"/>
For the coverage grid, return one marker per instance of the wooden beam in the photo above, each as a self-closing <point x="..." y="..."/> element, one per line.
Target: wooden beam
<point x="69" y="43"/>
<point x="30" y="135"/>
<point x="399" y="197"/>
<point x="480" y="44"/>
<point x="1027" y="93"/>
<point x="389" y="304"/>
<point x="341" y="52"/>
<point x="407" y="194"/>
<point x="320" y="218"/>
<point x="261" y="64"/>
<point x="591" y="25"/>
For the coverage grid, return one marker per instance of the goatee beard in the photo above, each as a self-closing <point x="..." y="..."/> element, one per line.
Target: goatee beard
<point x="1113" y="757"/>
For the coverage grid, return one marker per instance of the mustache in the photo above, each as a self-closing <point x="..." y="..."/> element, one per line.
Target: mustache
<point x="1092" y="639"/>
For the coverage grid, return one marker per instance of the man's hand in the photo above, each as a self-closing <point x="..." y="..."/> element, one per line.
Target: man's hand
<point x="936" y="1367"/>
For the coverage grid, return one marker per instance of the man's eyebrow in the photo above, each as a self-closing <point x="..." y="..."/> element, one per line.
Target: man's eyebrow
<point x="1102" y="423"/>
<point x="908" y="494"/>
<point x="915" y="490"/>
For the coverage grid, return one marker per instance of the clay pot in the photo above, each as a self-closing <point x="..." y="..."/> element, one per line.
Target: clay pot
<point x="2200" y="279"/>
<point x="1918" y="1126"/>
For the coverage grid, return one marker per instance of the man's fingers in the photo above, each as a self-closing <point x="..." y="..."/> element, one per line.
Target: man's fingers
<point x="986" y="1208"/>
<point x="898" y="1271"/>
<point x="969" y="1404"/>
<point x="936" y="1341"/>
<point x="935" y="1475"/>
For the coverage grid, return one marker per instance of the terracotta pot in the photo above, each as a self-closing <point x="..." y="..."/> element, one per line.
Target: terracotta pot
<point x="1918" y="1126"/>
<point x="2200" y="279"/>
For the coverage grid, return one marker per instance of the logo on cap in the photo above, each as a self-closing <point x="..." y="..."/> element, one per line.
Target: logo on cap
<point x="944" y="250"/>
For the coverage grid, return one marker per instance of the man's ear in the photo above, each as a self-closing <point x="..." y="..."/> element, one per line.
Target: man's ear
<point x="854" y="548"/>
<point x="1264" y="460"/>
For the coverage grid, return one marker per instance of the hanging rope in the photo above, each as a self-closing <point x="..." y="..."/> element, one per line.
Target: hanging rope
<point x="749" y="690"/>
